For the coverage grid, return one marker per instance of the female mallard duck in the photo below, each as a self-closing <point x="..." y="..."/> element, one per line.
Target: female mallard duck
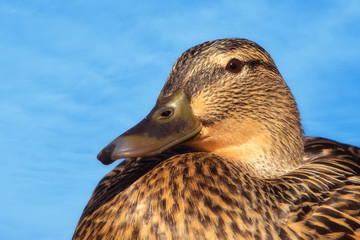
<point x="222" y="156"/>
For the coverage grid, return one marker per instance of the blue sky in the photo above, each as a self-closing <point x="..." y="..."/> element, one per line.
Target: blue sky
<point x="76" y="74"/>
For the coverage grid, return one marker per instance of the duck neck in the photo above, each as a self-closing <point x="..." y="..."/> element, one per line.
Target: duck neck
<point x="263" y="151"/>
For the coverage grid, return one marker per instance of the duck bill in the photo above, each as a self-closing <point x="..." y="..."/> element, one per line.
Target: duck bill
<point x="170" y="123"/>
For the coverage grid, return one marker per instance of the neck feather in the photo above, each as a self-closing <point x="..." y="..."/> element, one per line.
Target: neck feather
<point x="265" y="152"/>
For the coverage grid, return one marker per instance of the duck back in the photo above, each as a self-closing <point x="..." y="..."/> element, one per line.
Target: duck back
<point x="196" y="195"/>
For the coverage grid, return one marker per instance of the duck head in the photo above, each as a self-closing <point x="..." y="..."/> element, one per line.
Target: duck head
<point x="226" y="97"/>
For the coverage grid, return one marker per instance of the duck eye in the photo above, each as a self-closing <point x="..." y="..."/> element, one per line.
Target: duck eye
<point x="168" y="112"/>
<point x="234" y="65"/>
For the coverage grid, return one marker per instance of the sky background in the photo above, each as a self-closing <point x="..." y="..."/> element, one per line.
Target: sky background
<point x="75" y="74"/>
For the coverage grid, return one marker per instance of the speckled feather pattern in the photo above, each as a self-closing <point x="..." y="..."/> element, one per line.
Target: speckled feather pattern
<point x="257" y="93"/>
<point x="201" y="196"/>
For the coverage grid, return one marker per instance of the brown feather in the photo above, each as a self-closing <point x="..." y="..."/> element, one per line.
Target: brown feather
<point x="199" y="195"/>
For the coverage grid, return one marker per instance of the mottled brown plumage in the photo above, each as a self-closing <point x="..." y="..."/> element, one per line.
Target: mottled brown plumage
<point x="247" y="174"/>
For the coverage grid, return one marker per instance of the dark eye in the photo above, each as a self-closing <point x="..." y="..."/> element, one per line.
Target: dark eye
<point x="234" y="66"/>
<point x="168" y="112"/>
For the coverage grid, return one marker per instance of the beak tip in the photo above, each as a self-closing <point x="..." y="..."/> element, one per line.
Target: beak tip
<point x="104" y="155"/>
